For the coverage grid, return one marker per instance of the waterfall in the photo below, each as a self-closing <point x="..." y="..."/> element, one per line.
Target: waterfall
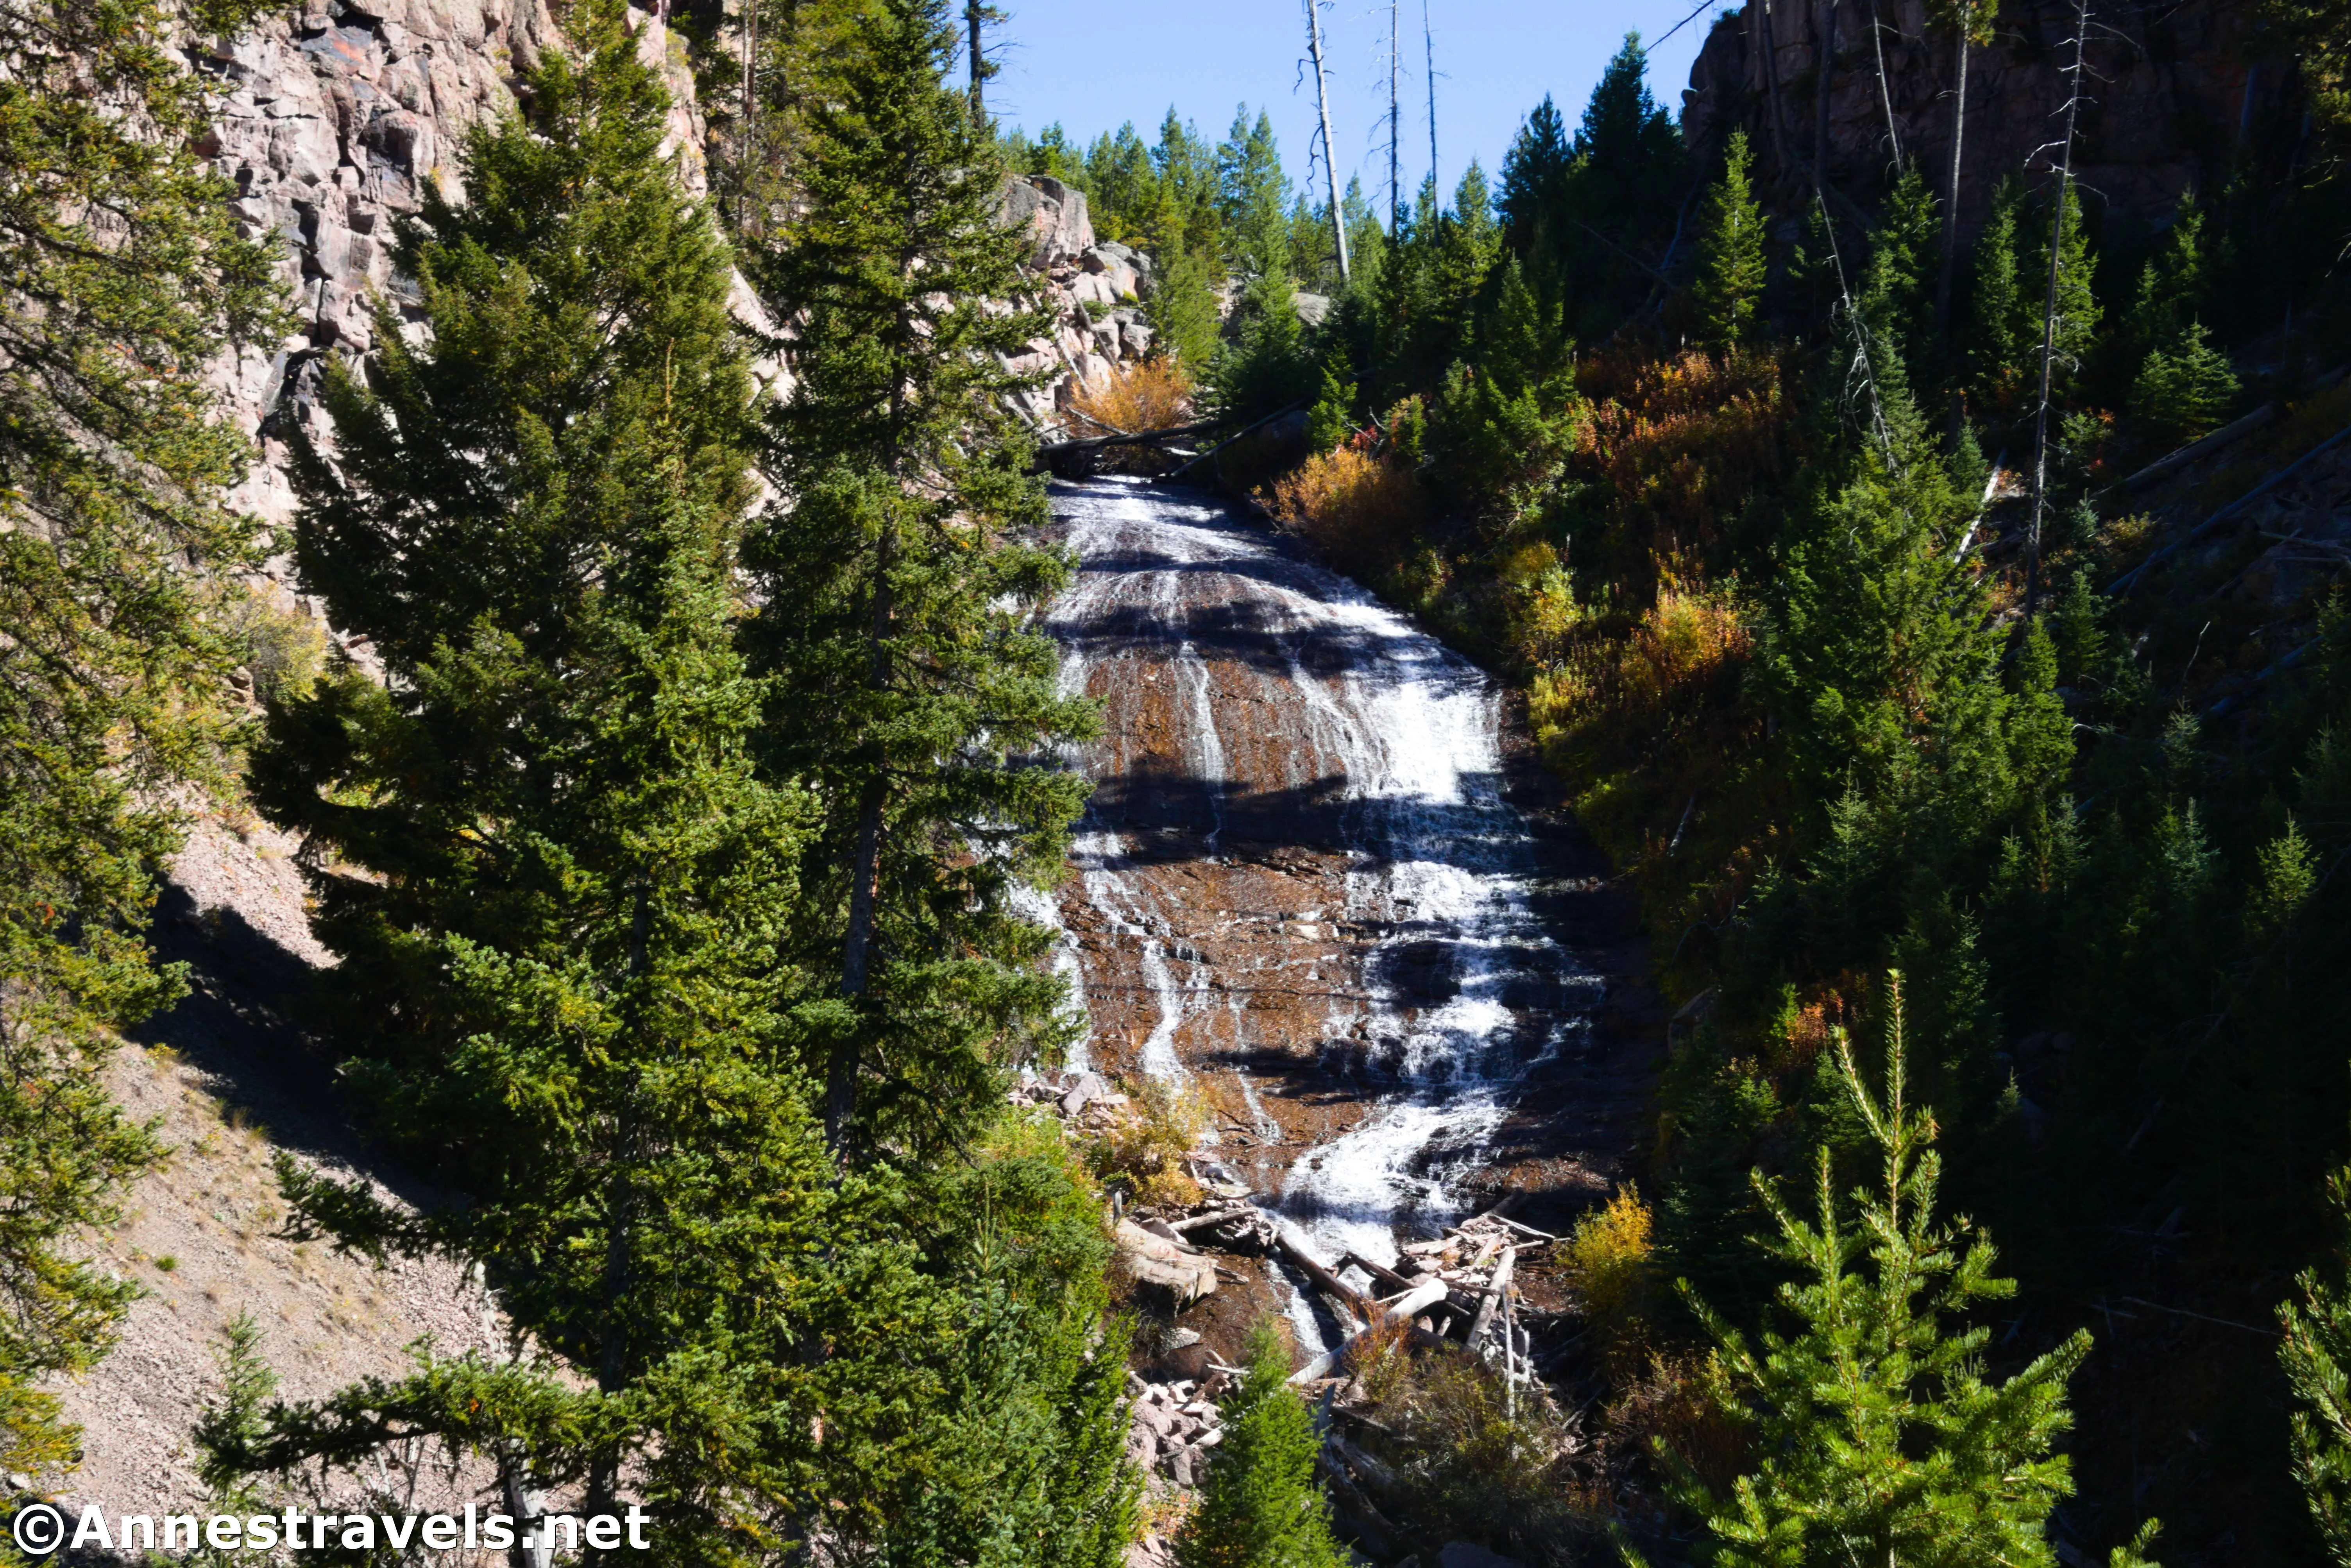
<point x="1260" y="703"/>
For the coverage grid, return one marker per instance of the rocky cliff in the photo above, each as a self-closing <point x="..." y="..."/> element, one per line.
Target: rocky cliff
<point x="2175" y="92"/>
<point x="336" y="119"/>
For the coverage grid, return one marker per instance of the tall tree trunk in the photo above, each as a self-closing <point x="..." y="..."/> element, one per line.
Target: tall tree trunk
<point x="745" y="158"/>
<point x="2049" y="311"/>
<point x="865" y="864"/>
<point x="1428" y="49"/>
<point x="1963" y="43"/>
<point x="1396" y="122"/>
<point x="974" y="11"/>
<point x="524" y="1506"/>
<point x="1330" y="158"/>
<point x="1885" y="91"/>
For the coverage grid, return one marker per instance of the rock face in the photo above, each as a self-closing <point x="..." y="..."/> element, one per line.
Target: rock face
<point x="2173" y="99"/>
<point x="1093" y="289"/>
<point x="336" y="121"/>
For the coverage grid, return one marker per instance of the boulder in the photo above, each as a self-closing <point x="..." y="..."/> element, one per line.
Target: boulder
<point x="1083" y="1087"/>
<point x="1311" y="307"/>
<point x="1156" y="1261"/>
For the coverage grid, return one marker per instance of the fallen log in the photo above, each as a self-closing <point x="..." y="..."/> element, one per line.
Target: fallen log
<point x="1306" y="1263"/>
<point x="1412" y="1303"/>
<point x="1491" y="1297"/>
<point x="2202" y="448"/>
<point x="2122" y="583"/>
<point x="1214" y="1218"/>
<point x="1047" y="451"/>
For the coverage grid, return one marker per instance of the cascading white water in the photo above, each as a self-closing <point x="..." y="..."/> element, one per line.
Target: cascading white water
<point x="1299" y="679"/>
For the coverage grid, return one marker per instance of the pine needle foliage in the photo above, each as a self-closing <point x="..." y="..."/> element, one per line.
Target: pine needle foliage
<point x="124" y="277"/>
<point x="1878" y="1437"/>
<point x="909" y="687"/>
<point x="2317" y="1357"/>
<point x="1261" y="1507"/>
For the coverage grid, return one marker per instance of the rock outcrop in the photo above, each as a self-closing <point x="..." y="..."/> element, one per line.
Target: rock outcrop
<point x="2175" y="97"/>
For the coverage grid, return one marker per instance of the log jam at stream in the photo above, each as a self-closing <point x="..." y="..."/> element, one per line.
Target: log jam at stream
<point x="1323" y="884"/>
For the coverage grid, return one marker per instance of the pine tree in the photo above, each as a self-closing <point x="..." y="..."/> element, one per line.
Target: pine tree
<point x="1516" y="346"/>
<point x="1999" y="343"/>
<point x="561" y="972"/>
<point x="2174" y="284"/>
<point x="2183" y="390"/>
<point x="1535" y="172"/>
<point x="1181" y="310"/>
<point x="2075" y="331"/>
<point x="1253" y="198"/>
<point x="1729" y="253"/>
<point x="1897" y="290"/>
<point x="1261" y="1507"/>
<point x="1877" y="1438"/>
<point x="1122" y="186"/>
<point x="1619" y="199"/>
<point x="1265" y="367"/>
<point x="909" y="688"/>
<point x="1874" y="652"/>
<point x="2317" y="1357"/>
<point x="124" y="280"/>
<point x="1188" y="218"/>
<point x="1333" y="420"/>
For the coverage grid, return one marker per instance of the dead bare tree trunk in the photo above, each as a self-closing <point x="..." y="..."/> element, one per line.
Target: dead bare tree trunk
<point x="1428" y="49"/>
<point x="1885" y="89"/>
<point x="1396" y="122"/>
<point x="1963" y="43"/>
<point x="2058" y="204"/>
<point x="1330" y="161"/>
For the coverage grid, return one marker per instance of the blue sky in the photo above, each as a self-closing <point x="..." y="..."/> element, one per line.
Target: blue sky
<point x="1093" y="64"/>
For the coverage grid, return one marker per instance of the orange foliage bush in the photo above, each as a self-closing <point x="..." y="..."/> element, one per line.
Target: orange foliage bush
<point x="1680" y="442"/>
<point x="1155" y="394"/>
<point x="1354" y="507"/>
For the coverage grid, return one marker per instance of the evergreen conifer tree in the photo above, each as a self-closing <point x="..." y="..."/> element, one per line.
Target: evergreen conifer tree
<point x="2173" y="284"/>
<point x="1877" y="1436"/>
<point x="2183" y="390"/>
<point x="1999" y="340"/>
<point x="2074" y="333"/>
<point x="1182" y="310"/>
<point x="1729" y="253"/>
<point x="124" y="278"/>
<point x="561" y="976"/>
<point x="1261" y="1507"/>
<point x="1897" y="290"/>
<point x="1535" y="172"/>
<point x="1253" y="198"/>
<point x="908" y="687"/>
